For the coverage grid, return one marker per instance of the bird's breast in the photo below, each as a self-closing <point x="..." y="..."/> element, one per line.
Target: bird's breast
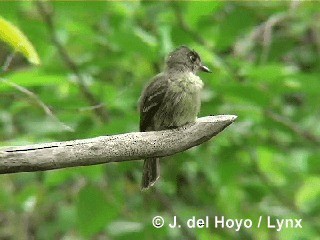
<point x="181" y="104"/>
<point x="187" y="82"/>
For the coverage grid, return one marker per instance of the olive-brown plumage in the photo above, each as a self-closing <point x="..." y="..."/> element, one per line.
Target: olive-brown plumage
<point x="170" y="100"/>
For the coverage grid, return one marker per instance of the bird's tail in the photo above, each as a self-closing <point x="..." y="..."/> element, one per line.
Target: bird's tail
<point x="151" y="172"/>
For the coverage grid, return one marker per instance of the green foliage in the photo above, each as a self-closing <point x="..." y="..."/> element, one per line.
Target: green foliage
<point x="265" y="59"/>
<point x="15" y="38"/>
<point x="92" y="219"/>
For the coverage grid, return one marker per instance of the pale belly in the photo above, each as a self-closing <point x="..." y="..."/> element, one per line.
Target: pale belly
<point x="180" y="106"/>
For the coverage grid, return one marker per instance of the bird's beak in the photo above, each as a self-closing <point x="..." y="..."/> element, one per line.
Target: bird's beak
<point x="204" y="68"/>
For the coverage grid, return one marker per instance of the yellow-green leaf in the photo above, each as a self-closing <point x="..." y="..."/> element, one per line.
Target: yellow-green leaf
<point x="11" y="35"/>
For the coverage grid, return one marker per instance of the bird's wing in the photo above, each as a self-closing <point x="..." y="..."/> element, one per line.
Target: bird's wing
<point x="151" y="99"/>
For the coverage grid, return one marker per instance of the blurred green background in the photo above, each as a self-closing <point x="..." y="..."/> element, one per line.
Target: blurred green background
<point x="265" y="59"/>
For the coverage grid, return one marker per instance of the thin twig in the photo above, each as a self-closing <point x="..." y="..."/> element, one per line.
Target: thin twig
<point x="267" y="34"/>
<point x="295" y="128"/>
<point x="264" y="30"/>
<point x="30" y="94"/>
<point x="37" y="100"/>
<point x="8" y="62"/>
<point x="101" y="112"/>
<point x="89" y="108"/>
<point x="270" y="24"/>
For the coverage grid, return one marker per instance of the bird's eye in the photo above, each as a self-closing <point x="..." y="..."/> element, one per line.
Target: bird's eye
<point x="192" y="58"/>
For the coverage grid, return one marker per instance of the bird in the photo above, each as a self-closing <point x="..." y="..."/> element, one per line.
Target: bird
<point x="170" y="100"/>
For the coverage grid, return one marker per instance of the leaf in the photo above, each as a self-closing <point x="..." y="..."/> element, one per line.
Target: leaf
<point x="269" y="72"/>
<point x="31" y="78"/>
<point x="245" y="93"/>
<point x="308" y="195"/>
<point x="197" y="10"/>
<point x="94" y="211"/>
<point x="11" y="35"/>
<point x="235" y="23"/>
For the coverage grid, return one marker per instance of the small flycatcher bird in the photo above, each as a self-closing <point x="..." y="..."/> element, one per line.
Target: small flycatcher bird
<point x="170" y="100"/>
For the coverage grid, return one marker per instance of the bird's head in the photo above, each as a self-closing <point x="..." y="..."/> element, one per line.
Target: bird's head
<point x="186" y="59"/>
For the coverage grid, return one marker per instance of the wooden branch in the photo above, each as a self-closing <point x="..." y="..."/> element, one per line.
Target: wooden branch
<point x="115" y="148"/>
